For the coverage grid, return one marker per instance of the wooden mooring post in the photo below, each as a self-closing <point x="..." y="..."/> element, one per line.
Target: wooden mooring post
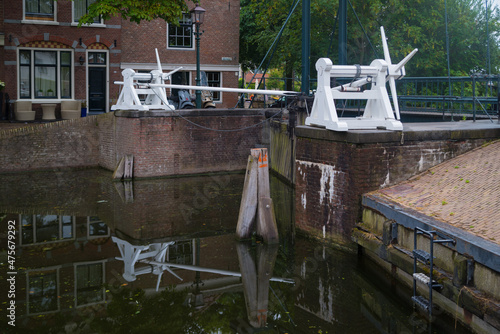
<point x="256" y="206"/>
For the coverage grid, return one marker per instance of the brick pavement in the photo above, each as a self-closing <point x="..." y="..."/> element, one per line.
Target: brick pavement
<point x="463" y="192"/>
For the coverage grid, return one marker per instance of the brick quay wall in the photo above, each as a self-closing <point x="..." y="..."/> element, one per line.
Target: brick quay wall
<point x="334" y="169"/>
<point x="162" y="143"/>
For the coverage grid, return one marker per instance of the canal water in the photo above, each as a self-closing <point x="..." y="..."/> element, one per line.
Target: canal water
<point x="160" y="256"/>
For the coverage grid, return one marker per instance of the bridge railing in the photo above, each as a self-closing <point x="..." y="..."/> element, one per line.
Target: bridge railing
<point x="470" y="96"/>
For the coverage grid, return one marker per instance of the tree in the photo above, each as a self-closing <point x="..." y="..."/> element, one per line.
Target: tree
<point x="135" y="10"/>
<point x="408" y="25"/>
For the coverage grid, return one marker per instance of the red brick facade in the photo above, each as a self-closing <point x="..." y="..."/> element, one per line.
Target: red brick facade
<point x="124" y="44"/>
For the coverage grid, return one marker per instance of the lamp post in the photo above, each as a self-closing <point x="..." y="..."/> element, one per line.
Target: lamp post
<point x="197" y="16"/>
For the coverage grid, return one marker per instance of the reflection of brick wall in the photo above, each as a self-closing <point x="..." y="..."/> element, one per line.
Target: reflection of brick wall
<point x="172" y="207"/>
<point x="331" y="175"/>
<point x="152" y="208"/>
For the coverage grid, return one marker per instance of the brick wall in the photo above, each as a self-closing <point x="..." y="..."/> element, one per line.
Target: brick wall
<point x="65" y="34"/>
<point x="332" y="174"/>
<point x="172" y="146"/>
<point x="161" y="146"/>
<point x="70" y="143"/>
<point x="220" y="40"/>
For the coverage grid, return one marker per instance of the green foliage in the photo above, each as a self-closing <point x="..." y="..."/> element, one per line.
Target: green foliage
<point x="408" y="25"/>
<point x="135" y="10"/>
<point x="134" y="312"/>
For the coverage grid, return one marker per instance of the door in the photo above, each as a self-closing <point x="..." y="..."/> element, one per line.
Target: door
<point x="97" y="89"/>
<point x="97" y="80"/>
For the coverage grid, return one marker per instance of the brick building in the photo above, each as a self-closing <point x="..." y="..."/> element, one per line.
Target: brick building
<point x="46" y="58"/>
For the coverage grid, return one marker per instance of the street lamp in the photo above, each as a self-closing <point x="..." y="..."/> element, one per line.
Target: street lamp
<point x="197" y="16"/>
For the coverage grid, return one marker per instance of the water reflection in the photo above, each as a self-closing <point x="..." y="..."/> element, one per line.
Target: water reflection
<point x="160" y="256"/>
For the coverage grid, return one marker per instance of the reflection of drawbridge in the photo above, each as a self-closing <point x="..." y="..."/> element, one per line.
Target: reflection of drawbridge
<point x="154" y="256"/>
<point x="255" y="273"/>
<point x="131" y="254"/>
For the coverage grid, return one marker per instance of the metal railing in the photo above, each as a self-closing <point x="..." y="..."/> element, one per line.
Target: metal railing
<point x="469" y="96"/>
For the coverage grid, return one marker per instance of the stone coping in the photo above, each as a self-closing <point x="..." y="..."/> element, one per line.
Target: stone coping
<point x="191" y="113"/>
<point x="461" y="130"/>
<point x="483" y="251"/>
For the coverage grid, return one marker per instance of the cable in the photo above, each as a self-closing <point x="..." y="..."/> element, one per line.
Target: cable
<point x="218" y="130"/>
<point x="359" y="21"/>
<point x="278" y="37"/>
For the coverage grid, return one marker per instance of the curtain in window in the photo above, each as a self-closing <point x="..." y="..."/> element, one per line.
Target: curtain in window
<point x="24" y="74"/>
<point x="65" y="74"/>
<point x="80" y="9"/>
<point x="39" y="6"/>
<point x="31" y="6"/>
<point x="45" y="73"/>
<point x="46" y="7"/>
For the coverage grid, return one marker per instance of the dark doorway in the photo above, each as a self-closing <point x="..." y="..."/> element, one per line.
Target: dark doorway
<point x="97" y="89"/>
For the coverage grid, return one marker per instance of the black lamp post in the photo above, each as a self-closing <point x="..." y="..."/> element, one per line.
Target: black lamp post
<point x="197" y="16"/>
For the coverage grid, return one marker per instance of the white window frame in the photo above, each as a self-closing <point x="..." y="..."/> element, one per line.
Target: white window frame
<point x="89" y="221"/>
<point x="103" y="281"/>
<point x="58" y="97"/>
<point x="31" y="21"/>
<point x="32" y="272"/>
<point x="193" y="41"/>
<point x="99" y="24"/>
<point x="220" y="82"/>
<point x="35" y="242"/>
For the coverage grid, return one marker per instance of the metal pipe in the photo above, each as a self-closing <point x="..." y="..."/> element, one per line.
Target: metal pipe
<point x="306" y="44"/>
<point x="225" y="89"/>
<point x="211" y="270"/>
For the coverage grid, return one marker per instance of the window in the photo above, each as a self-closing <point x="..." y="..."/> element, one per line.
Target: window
<point x="80" y="8"/>
<point x="181" y="36"/>
<point x="39" y="10"/>
<point x="181" y="252"/>
<point x="36" y="229"/>
<point x="45" y="74"/>
<point x="97" y="58"/>
<point x="89" y="283"/>
<point x="179" y="78"/>
<point x="214" y="80"/>
<point x="43" y="292"/>
<point x="96" y="228"/>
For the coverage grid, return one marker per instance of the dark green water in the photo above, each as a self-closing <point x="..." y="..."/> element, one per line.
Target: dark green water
<point x="191" y="275"/>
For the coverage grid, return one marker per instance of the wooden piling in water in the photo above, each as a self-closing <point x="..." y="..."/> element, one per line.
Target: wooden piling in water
<point x="248" y="206"/>
<point x="256" y="203"/>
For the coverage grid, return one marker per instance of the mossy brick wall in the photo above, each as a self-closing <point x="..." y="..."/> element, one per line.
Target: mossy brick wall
<point x="332" y="175"/>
